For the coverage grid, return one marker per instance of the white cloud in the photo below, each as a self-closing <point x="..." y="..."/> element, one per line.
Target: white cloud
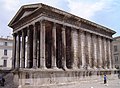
<point x="83" y="8"/>
<point x="87" y="9"/>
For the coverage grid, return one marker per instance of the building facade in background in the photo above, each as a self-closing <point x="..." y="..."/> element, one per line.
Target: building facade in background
<point x="61" y="48"/>
<point x="6" y="52"/>
<point x="116" y="51"/>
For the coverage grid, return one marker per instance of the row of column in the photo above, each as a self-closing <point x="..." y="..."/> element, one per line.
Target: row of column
<point x="89" y="50"/>
<point x="95" y="51"/>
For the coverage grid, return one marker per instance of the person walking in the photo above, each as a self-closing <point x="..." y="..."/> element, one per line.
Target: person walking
<point x="105" y="79"/>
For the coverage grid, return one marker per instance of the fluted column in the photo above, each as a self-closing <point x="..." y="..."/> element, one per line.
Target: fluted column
<point x="54" y="66"/>
<point x="23" y="50"/>
<point x="34" y="46"/>
<point x="18" y="51"/>
<point x="29" y="47"/>
<point x="42" y="45"/>
<point x="100" y="51"/>
<point x="14" y="52"/>
<point x="95" y="51"/>
<point x="83" y="49"/>
<point x="105" y="53"/>
<point x="112" y="61"/>
<point x="79" y="50"/>
<point x="63" y="48"/>
<point x="109" y="54"/>
<point x="74" y="48"/>
<point x="89" y="50"/>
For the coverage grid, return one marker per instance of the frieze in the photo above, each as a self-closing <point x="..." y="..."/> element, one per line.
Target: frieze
<point x="95" y="29"/>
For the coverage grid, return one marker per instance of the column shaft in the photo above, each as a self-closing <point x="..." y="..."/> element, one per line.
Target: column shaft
<point x="14" y="52"/>
<point x="105" y="53"/>
<point x="112" y="64"/>
<point x="100" y="52"/>
<point x="29" y="46"/>
<point x="23" y="50"/>
<point x="109" y="54"/>
<point x="95" y="51"/>
<point x="34" y="46"/>
<point x="83" y="49"/>
<point x="74" y="48"/>
<point x="54" y="47"/>
<point x="63" y="48"/>
<point x="18" y="51"/>
<point x="89" y="50"/>
<point x="42" y="45"/>
<point x="79" y="50"/>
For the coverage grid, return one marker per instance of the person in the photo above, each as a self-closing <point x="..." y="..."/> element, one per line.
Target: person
<point x="2" y="81"/>
<point x="105" y="79"/>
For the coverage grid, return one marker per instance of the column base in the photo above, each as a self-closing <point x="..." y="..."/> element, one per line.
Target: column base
<point x="43" y="67"/>
<point x="54" y="67"/>
<point x="89" y="68"/>
<point x="34" y="67"/>
<point x="64" y="68"/>
<point x="82" y="68"/>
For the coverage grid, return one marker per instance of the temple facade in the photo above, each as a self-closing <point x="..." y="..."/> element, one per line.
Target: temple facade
<point x="52" y="46"/>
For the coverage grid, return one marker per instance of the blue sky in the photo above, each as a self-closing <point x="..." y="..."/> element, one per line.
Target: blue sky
<point x="103" y="12"/>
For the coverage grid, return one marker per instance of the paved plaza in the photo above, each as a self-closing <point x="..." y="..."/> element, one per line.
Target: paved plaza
<point x="114" y="83"/>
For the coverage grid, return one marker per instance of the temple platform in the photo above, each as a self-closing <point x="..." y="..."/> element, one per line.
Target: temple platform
<point x="57" y="78"/>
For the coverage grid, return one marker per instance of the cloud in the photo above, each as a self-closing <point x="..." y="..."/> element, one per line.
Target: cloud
<point x="88" y="9"/>
<point x="83" y="8"/>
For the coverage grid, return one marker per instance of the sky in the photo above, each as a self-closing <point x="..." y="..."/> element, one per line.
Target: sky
<point x="103" y="12"/>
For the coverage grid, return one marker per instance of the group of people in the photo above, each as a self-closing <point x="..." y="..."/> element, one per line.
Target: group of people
<point x="2" y="81"/>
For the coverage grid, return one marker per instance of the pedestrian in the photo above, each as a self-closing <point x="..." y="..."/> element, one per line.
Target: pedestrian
<point x="105" y="79"/>
<point x="2" y="81"/>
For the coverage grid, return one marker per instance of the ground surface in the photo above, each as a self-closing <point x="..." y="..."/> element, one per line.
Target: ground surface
<point x="115" y="83"/>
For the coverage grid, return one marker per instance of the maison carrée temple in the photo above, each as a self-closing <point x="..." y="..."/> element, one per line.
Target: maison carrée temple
<point x="53" y="48"/>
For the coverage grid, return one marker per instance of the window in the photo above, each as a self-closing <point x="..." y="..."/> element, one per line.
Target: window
<point x="115" y="48"/>
<point x="5" y="43"/>
<point x="5" y="63"/>
<point x="5" y="52"/>
<point x="116" y="58"/>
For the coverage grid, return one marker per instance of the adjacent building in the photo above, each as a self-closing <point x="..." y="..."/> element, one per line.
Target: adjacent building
<point x="6" y="52"/>
<point x="116" y="51"/>
<point x="61" y="47"/>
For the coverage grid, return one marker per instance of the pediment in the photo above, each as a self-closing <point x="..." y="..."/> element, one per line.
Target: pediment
<point x="22" y="12"/>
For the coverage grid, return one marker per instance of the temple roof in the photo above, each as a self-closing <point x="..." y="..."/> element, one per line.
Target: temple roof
<point x="27" y="10"/>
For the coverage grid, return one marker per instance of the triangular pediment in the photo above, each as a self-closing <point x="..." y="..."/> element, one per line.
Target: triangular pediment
<point x="24" y="11"/>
